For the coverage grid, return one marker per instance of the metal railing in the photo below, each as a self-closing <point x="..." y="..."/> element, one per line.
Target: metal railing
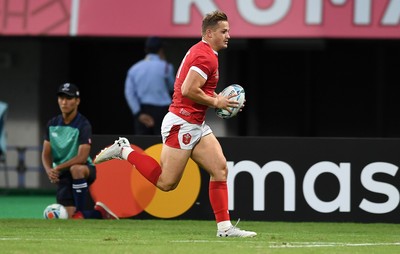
<point x="20" y="165"/>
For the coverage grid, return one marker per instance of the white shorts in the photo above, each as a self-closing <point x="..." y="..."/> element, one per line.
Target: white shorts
<point x="179" y="133"/>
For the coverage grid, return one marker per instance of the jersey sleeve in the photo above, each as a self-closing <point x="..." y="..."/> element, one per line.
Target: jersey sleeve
<point x="85" y="136"/>
<point x="202" y="65"/>
<point x="46" y="131"/>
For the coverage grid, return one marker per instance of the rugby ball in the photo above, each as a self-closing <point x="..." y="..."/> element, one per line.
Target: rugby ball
<point x="55" y="211"/>
<point x="240" y="97"/>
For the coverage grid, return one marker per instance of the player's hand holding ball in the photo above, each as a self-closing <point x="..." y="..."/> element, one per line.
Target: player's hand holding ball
<point x="236" y="97"/>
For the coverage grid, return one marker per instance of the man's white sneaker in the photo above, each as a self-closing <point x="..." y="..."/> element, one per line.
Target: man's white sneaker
<point x="234" y="231"/>
<point x="113" y="151"/>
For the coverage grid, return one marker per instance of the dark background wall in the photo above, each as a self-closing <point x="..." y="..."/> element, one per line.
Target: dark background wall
<point x="320" y="87"/>
<point x="294" y="87"/>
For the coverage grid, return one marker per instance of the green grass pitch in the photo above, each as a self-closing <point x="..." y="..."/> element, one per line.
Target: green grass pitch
<point x="188" y="236"/>
<point x="23" y="230"/>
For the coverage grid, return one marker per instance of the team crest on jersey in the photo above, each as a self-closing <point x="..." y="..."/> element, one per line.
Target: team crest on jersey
<point x="186" y="138"/>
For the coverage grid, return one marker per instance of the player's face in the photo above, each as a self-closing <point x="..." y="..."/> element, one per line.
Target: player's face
<point x="220" y="36"/>
<point x="68" y="104"/>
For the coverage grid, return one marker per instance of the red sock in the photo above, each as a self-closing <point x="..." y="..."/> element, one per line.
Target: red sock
<point x="218" y="192"/>
<point x="146" y="165"/>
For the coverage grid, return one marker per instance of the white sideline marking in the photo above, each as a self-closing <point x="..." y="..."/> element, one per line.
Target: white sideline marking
<point x="52" y="239"/>
<point x="275" y="245"/>
<point x="327" y="244"/>
<point x="197" y="241"/>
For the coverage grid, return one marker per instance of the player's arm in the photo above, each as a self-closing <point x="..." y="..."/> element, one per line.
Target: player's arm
<point x="191" y="88"/>
<point x="80" y="158"/>
<point x="131" y="98"/>
<point x="47" y="161"/>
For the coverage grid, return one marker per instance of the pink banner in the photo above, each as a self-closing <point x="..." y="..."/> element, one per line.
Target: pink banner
<point x="182" y="18"/>
<point x="35" y="17"/>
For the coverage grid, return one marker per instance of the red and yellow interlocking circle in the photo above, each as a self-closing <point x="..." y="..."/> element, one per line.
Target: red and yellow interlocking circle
<point x="127" y="193"/>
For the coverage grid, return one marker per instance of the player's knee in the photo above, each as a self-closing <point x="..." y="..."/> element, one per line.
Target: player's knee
<point x="77" y="171"/>
<point x="220" y="173"/>
<point x="166" y="187"/>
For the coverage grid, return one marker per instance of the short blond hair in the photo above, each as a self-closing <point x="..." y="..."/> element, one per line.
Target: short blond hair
<point x="212" y="19"/>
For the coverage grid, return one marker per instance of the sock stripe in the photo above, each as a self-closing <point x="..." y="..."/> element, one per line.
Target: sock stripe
<point x="80" y="186"/>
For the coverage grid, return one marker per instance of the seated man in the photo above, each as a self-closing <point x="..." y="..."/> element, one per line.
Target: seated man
<point x="65" y="157"/>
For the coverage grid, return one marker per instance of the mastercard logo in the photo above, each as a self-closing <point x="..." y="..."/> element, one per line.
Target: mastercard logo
<point x="127" y="193"/>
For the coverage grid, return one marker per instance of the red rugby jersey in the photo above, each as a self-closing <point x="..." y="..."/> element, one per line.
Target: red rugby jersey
<point x="204" y="60"/>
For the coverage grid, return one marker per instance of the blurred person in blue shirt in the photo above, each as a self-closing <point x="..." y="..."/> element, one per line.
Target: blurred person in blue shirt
<point x="148" y="88"/>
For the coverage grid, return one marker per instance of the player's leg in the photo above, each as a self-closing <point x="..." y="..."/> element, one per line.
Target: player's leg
<point x="64" y="194"/>
<point x="179" y="138"/>
<point x="82" y="177"/>
<point x="165" y="175"/>
<point x="174" y="156"/>
<point x="70" y="210"/>
<point x="79" y="174"/>
<point x="209" y="155"/>
<point x="121" y="149"/>
<point x="173" y="163"/>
